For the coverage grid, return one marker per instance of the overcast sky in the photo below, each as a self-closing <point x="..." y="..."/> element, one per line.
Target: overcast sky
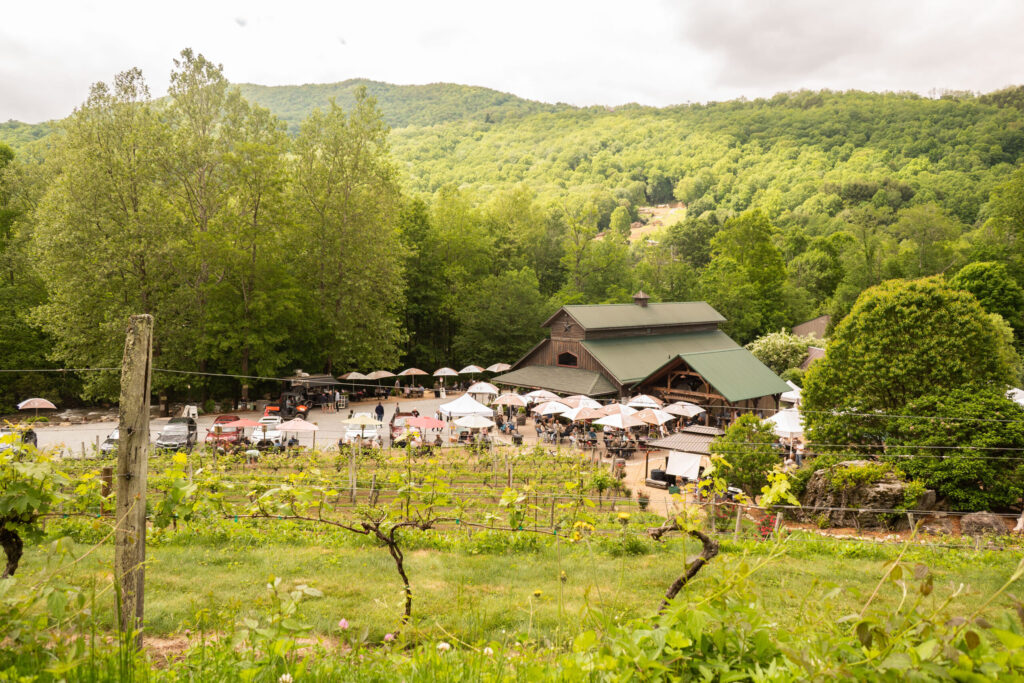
<point x="655" y="52"/>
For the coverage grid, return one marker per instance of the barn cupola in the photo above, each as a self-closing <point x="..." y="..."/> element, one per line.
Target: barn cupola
<point x="641" y="299"/>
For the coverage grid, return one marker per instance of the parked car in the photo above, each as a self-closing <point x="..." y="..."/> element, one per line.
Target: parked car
<point x="178" y="435"/>
<point x="12" y="438"/>
<point x="219" y="435"/>
<point x="109" y="444"/>
<point x="267" y="435"/>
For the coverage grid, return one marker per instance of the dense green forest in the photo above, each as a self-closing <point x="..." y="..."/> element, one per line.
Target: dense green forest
<point x="307" y="235"/>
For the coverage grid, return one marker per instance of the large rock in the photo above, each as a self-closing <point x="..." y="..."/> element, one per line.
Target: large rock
<point x="938" y="525"/>
<point x="886" y="493"/>
<point x="981" y="523"/>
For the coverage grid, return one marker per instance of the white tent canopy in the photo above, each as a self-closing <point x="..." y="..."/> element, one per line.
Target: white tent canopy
<point x="684" y="465"/>
<point x="793" y="395"/>
<point x="539" y="395"/>
<point x="1016" y="395"/>
<point x="787" y="423"/>
<point x="465" y="405"/>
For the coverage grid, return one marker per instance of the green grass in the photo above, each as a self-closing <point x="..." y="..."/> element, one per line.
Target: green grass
<point x="484" y="597"/>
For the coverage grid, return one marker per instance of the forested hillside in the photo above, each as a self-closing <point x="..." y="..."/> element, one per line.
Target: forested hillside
<point x="269" y="241"/>
<point x="402" y="105"/>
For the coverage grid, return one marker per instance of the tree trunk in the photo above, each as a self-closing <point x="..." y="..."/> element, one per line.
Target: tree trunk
<point x="12" y="544"/>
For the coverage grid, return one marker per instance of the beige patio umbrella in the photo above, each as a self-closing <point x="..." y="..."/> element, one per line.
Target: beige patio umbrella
<point x="36" y="404"/>
<point x="582" y="414"/>
<point x="411" y="372"/>
<point x="498" y="367"/>
<point x="298" y="425"/>
<point x="653" y="416"/>
<point x="580" y="401"/>
<point x="551" y="408"/>
<point x="684" y="409"/>
<point x="471" y="370"/>
<point x="617" y="409"/>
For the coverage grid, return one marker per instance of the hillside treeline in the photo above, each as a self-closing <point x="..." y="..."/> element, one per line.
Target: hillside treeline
<point x="341" y="246"/>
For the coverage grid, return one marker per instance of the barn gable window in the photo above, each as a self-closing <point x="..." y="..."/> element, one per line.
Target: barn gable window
<point x="568" y="359"/>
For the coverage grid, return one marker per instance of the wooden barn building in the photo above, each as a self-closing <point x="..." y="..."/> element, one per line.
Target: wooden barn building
<point x="671" y="350"/>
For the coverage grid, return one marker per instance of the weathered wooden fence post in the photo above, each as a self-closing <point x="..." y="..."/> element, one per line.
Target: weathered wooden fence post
<point x="132" y="467"/>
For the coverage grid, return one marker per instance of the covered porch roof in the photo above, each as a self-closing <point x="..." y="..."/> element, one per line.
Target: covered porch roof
<point x="558" y="379"/>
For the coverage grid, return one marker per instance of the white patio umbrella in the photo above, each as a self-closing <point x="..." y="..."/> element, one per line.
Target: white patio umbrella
<point x="471" y="370"/>
<point x="620" y="421"/>
<point x="445" y="372"/>
<point x="475" y="422"/>
<point x="483" y="388"/>
<point x="787" y="423"/>
<point x="510" y="400"/>
<point x="653" y="416"/>
<point x="580" y="401"/>
<point x="538" y="395"/>
<point x="498" y="367"/>
<point x="644" y="401"/>
<point x="551" y="408"/>
<point x="684" y="409"/>
<point x="362" y="420"/>
<point x="410" y="372"/>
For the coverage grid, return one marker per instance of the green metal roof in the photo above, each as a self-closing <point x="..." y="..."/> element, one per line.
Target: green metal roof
<point x="559" y="379"/>
<point x="736" y="374"/>
<point x="631" y="359"/>
<point x="613" y="316"/>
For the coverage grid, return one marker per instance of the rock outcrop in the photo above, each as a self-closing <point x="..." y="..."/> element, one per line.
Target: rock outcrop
<point x="981" y="523"/>
<point x="885" y="492"/>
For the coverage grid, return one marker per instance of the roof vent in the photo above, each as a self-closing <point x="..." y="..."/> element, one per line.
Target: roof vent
<point x="641" y="299"/>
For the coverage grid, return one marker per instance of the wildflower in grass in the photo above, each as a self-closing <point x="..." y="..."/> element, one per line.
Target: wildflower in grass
<point x="537" y="594"/>
<point x="285" y="678"/>
<point x="488" y="651"/>
<point x="343" y="624"/>
<point x="388" y="637"/>
<point x="623" y="518"/>
<point x="563" y="577"/>
<point x="443" y="647"/>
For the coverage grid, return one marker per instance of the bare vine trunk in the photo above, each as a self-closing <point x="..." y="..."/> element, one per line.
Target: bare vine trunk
<point x="709" y="551"/>
<point x="12" y="545"/>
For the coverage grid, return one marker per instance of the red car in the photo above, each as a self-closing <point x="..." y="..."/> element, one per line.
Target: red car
<point x="220" y="435"/>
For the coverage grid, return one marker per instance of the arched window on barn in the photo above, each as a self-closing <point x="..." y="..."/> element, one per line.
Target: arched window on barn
<point x="568" y="359"/>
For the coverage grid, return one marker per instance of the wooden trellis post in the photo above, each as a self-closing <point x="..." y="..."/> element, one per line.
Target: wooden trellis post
<point x="132" y="467"/>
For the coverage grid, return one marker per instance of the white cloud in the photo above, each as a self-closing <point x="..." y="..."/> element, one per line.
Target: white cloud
<point x="598" y="52"/>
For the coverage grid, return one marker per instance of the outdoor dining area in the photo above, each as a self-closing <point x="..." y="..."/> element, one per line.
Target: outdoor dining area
<point x="408" y="383"/>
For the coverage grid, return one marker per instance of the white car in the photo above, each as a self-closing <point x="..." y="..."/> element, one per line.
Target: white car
<point x="267" y="433"/>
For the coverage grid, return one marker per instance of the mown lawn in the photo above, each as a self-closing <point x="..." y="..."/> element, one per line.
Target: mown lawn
<point x="466" y="594"/>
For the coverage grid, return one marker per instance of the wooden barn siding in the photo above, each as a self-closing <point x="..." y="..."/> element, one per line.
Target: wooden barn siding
<point x="558" y="330"/>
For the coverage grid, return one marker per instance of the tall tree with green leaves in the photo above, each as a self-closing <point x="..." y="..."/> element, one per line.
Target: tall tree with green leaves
<point x="902" y="340"/>
<point x="745" y="453"/>
<point x="747" y="241"/>
<point x="501" y="318"/>
<point x="991" y="283"/>
<point x="349" y="259"/>
<point x="107" y="241"/>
